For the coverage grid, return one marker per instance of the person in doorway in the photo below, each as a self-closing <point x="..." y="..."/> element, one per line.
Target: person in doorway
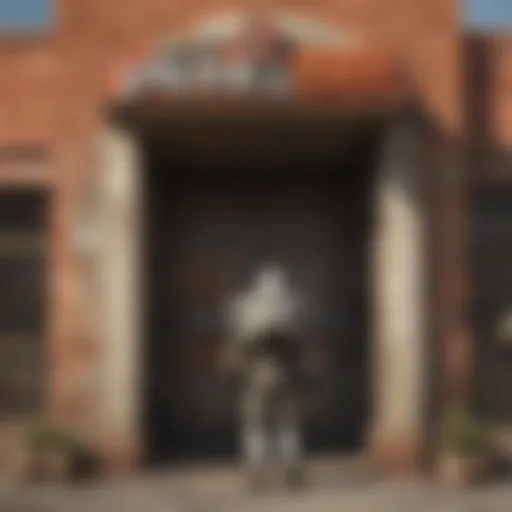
<point x="264" y="341"/>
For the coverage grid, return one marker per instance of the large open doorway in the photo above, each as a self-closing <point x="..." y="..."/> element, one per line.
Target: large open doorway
<point x="224" y="195"/>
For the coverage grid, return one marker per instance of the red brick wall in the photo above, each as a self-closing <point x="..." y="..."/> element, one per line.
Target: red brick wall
<point x="53" y="89"/>
<point x="488" y="86"/>
<point x="501" y="90"/>
<point x="500" y="80"/>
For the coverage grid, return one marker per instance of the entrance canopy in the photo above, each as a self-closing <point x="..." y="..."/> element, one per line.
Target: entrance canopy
<point x="261" y="59"/>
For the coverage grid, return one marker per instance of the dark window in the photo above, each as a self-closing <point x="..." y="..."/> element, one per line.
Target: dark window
<point x="491" y="254"/>
<point x="22" y="300"/>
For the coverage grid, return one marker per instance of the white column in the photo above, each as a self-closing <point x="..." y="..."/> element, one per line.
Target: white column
<point x="120" y="303"/>
<point x="399" y="306"/>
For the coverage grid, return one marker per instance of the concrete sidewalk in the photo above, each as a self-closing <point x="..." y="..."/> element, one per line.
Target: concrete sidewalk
<point x="335" y="487"/>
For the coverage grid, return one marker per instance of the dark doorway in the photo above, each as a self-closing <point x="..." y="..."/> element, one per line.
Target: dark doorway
<point x="214" y="217"/>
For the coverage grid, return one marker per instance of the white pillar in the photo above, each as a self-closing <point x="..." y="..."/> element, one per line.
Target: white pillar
<point x="399" y="306"/>
<point x="111" y="242"/>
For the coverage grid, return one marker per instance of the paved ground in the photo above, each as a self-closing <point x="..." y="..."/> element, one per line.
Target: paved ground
<point x="333" y="488"/>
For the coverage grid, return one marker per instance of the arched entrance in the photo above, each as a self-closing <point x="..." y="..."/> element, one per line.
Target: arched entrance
<point x="371" y="329"/>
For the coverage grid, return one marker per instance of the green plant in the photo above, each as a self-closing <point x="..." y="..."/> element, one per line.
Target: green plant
<point x="45" y="437"/>
<point x="464" y="435"/>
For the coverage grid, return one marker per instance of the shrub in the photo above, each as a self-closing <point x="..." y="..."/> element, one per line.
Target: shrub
<point x="49" y="438"/>
<point x="462" y="434"/>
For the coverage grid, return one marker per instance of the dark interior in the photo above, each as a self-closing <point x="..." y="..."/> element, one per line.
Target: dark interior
<point x="225" y="196"/>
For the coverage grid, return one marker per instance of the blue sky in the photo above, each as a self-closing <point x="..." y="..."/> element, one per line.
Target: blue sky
<point x="33" y="12"/>
<point x="488" y="12"/>
<point x="24" y="13"/>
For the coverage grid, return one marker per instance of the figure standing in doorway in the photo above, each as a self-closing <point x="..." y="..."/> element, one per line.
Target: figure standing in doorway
<point x="264" y="346"/>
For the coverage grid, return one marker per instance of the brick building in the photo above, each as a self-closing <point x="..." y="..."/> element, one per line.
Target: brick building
<point x="394" y="93"/>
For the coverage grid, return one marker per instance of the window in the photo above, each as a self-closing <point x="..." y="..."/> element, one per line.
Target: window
<point x="24" y="15"/>
<point x="22" y="300"/>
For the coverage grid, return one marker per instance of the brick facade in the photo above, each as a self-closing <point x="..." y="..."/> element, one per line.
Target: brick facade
<point x="55" y="89"/>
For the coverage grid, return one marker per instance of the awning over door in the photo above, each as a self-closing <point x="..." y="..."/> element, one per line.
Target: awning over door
<point x="263" y="59"/>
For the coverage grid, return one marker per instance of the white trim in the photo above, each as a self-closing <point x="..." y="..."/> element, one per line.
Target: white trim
<point x="227" y="26"/>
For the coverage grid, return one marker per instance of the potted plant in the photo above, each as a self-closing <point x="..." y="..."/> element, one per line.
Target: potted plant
<point x="52" y="451"/>
<point x="464" y="448"/>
